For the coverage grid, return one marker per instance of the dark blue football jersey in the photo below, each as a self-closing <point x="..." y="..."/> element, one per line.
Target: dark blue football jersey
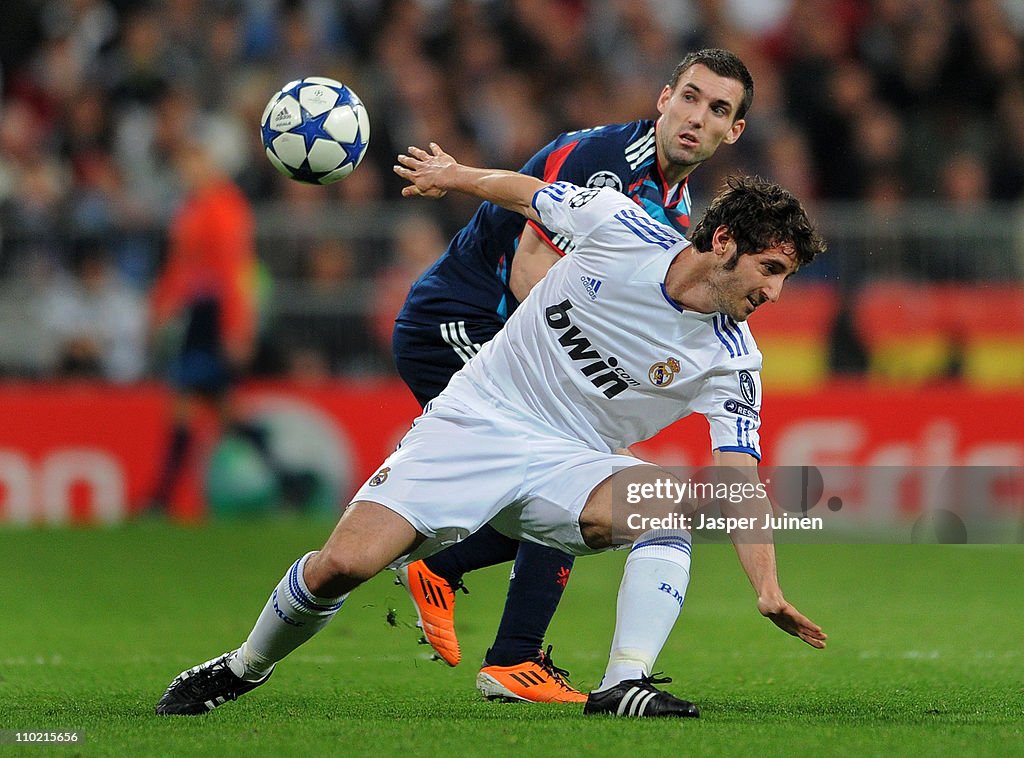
<point x="468" y="284"/>
<point x="463" y="300"/>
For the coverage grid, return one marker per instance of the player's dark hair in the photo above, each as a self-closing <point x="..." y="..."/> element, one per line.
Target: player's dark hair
<point x="760" y="215"/>
<point x="722" y="63"/>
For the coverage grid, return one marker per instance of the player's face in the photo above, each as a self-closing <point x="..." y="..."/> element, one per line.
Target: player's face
<point x="741" y="284"/>
<point x="696" y="117"/>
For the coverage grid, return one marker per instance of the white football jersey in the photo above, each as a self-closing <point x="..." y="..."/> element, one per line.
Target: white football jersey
<point x="600" y="353"/>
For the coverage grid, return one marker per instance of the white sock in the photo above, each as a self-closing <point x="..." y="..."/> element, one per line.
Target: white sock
<point x="651" y="595"/>
<point x="291" y="616"/>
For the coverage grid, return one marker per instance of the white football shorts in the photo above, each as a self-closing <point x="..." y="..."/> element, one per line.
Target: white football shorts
<point x="459" y="468"/>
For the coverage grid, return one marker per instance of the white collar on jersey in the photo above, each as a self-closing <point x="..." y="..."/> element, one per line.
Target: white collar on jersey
<point x="657" y="268"/>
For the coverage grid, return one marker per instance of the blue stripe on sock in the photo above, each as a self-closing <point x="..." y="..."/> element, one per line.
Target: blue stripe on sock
<point x="665" y="538"/>
<point x="674" y="535"/>
<point x="681" y="545"/>
<point x="303" y="598"/>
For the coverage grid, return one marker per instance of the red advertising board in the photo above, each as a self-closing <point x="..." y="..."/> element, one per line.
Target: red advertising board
<point x="91" y="453"/>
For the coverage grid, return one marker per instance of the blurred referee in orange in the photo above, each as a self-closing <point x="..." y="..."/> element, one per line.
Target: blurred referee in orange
<point x="208" y="289"/>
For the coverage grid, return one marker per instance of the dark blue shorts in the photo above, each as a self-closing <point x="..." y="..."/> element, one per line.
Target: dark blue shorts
<point x="200" y="365"/>
<point x="200" y="371"/>
<point x="427" y="356"/>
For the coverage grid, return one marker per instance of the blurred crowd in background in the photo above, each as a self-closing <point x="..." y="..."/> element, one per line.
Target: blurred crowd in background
<point x="899" y="122"/>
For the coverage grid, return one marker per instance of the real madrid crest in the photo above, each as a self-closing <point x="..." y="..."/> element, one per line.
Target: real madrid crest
<point x="380" y="477"/>
<point x="662" y="373"/>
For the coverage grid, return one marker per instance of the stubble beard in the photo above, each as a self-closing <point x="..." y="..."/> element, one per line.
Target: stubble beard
<point x="725" y="301"/>
<point x="679" y="159"/>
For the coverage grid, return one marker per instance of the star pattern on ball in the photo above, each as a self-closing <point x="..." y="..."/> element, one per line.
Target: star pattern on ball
<point x="300" y="137"/>
<point x="354" y="149"/>
<point x="311" y="127"/>
<point x="268" y="133"/>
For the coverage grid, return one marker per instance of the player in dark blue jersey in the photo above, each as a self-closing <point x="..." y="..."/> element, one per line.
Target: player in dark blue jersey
<point x="469" y="292"/>
<point x="467" y="295"/>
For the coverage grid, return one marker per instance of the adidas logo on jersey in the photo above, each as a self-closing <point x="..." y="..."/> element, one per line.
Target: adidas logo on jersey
<point x="591" y="285"/>
<point x="603" y="373"/>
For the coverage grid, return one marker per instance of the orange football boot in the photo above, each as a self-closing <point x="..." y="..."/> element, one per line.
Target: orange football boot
<point x="536" y="681"/>
<point x="434" y="600"/>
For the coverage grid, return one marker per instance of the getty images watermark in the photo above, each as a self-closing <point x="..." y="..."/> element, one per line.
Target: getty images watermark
<point x="882" y="504"/>
<point x="670" y="490"/>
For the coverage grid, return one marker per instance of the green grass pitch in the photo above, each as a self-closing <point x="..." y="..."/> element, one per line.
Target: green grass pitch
<point x="925" y="654"/>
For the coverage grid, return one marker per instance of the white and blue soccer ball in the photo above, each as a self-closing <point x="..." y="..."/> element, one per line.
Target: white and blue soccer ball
<point x="315" y="130"/>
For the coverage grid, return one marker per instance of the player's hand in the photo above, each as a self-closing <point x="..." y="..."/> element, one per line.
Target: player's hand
<point x="791" y="621"/>
<point x="427" y="173"/>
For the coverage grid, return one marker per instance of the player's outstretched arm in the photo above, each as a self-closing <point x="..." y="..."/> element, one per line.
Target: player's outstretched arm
<point x="756" y="551"/>
<point x="436" y="173"/>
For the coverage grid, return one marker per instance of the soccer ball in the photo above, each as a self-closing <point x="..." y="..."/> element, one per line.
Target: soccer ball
<point x="315" y="130"/>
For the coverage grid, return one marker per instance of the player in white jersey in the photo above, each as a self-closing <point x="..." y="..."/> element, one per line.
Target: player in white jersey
<point x="633" y="330"/>
<point x="603" y="327"/>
